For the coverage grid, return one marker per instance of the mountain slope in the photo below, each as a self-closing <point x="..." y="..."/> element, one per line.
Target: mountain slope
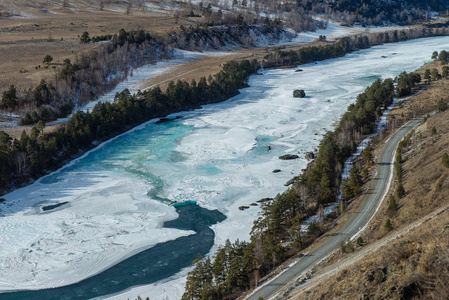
<point x="412" y="260"/>
<point x="381" y="11"/>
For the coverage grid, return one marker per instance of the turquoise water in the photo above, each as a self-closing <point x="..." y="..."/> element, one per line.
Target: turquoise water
<point x="51" y="207"/>
<point x="142" y="154"/>
<point x="159" y="262"/>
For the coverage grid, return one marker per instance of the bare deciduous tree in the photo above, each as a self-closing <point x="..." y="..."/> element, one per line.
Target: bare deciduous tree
<point x="22" y="165"/>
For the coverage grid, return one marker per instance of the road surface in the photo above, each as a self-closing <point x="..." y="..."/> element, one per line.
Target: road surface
<point x="359" y="218"/>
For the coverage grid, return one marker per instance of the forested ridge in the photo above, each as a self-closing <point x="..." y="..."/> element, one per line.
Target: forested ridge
<point x="377" y="12"/>
<point x="34" y="155"/>
<point x="261" y="31"/>
<point x="365" y="12"/>
<point x="301" y="15"/>
<point x="344" y="45"/>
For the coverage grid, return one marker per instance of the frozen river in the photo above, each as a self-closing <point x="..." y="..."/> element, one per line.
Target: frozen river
<point x="113" y="202"/>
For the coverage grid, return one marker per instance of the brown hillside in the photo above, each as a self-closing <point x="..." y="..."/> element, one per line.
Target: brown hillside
<point x="29" y="30"/>
<point x="411" y="261"/>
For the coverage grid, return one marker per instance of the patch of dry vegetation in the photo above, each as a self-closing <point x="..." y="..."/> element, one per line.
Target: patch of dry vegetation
<point x="413" y="267"/>
<point x="403" y="263"/>
<point x="425" y="178"/>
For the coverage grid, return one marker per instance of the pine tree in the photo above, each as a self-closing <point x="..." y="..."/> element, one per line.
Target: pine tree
<point x="365" y="174"/>
<point x="392" y="206"/>
<point x="9" y="97"/>
<point x="85" y="39"/>
<point x="443" y="57"/>
<point x="435" y="55"/>
<point x="445" y="160"/>
<point x="433" y="131"/>
<point x="427" y="74"/>
<point x="435" y="74"/>
<point x="368" y="156"/>
<point x="220" y="265"/>
<point x="199" y="280"/>
<point x="388" y="226"/>
<point x="401" y="191"/>
<point x="355" y="181"/>
<point x="47" y="59"/>
<point x="445" y="72"/>
<point x="442" y="105"/>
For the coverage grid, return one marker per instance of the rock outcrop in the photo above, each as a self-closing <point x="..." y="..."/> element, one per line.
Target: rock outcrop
<point x="299" y="94"/>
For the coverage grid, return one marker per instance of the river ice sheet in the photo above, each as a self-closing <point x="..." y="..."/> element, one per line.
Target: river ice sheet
<point x="220" y="156"/>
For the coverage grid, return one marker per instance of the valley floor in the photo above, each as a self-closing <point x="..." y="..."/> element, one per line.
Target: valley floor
<point x="138" y="226"/>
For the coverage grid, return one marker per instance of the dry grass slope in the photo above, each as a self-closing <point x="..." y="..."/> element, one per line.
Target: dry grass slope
<point x="411" y="261"/>
<point x="29" y="30"/>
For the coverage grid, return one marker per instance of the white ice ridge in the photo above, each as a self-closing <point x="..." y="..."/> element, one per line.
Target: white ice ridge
<point x="221" y="156"/>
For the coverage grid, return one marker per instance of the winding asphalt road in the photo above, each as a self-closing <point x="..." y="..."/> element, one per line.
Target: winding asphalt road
<point x="357" y="221"/>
